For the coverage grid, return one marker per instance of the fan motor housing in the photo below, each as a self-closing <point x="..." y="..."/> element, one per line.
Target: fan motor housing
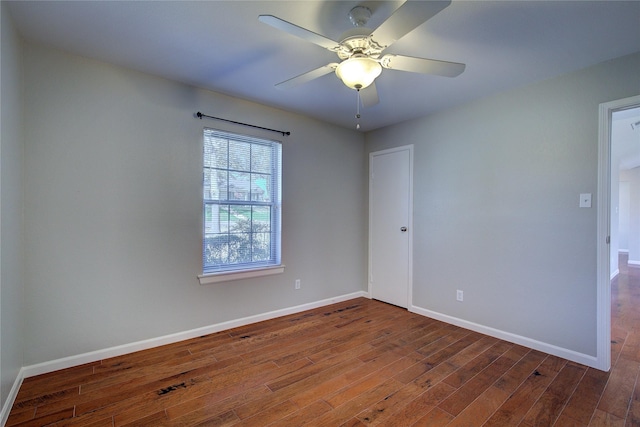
<point x="358" y="44"/>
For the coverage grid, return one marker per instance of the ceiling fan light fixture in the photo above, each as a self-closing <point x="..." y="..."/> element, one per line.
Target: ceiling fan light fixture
<point x="358" y="72"/>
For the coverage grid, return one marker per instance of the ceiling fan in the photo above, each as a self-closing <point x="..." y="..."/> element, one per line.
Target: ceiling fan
<point x="360" y="49"/>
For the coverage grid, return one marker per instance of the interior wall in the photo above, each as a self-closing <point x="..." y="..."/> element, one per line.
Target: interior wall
<point x="496" y="193"/>
<point x="11" y="201"/>
<point x="619" y="228"/>
<point x="624" y="197"/>
<point x="113" y="209"/>
<point x="632" y="178"/>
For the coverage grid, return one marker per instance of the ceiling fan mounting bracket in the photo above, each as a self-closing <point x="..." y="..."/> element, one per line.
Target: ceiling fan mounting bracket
<point x="359" y="16"/>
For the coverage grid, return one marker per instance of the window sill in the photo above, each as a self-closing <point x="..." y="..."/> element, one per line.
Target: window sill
<point x="227" y="276"/>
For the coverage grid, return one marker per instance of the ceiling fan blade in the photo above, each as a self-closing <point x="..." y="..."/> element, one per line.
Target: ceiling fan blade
<point x="369" y="95"/>
<point x="297" y="31"/>
<point x="407" y="17"/>
<point x="422" y="65"/>
<point x="307" y="77"/>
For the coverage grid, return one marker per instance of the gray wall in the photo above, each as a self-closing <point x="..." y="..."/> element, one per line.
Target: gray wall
<point x="113" y="210"/>
<point x="496" y="188"/>
<point x="11" y="202"/>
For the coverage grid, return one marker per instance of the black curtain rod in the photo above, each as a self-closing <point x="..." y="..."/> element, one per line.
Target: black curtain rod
<point x="200" y="116"/>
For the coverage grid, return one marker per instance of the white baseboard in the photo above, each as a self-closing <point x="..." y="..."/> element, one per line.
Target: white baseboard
<point x="574" y="356"/>
<point x="614" y="274"/>
<point x="633" y="263"/>
<point x="93" y="356"/>
<point x="13" y="393"/>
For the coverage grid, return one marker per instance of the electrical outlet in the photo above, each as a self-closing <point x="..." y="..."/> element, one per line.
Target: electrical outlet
<point x="297" y="284"/>
<point x="459" y="295"/>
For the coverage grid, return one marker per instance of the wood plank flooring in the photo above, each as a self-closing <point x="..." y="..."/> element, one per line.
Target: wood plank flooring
<point x="357" y="363"/>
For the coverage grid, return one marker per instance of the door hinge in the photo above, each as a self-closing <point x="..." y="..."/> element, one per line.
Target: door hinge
<point x="608" y="240"/>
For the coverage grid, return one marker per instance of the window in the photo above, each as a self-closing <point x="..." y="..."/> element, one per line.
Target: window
<point x="241" y="202"/>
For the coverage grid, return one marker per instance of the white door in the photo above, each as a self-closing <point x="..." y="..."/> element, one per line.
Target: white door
<point x="390" y="227"/>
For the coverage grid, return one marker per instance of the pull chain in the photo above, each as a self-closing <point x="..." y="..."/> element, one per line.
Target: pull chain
<point x="358" y="110"/>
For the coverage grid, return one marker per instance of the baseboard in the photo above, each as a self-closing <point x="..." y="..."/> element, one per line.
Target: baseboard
<point x="93" y="356"/>
<point x="11" y="397"/>
<point x="614" y="274"/>
<point x="574" y="356"/>
<point x="633" y="263"/>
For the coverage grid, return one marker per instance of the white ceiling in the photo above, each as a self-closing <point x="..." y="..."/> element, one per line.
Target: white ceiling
<point x="221" y="45"/>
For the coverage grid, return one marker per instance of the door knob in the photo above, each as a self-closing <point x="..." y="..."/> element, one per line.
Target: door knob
<point x="403" y="229"/>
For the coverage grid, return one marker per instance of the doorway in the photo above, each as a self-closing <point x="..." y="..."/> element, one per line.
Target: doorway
<point x="625" y="187"/>
<point x="390" y="225"/>
<point x="607" y="224"/>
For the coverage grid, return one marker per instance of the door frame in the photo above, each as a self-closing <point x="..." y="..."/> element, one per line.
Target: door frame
<point x="603" y="332"/>
<point x="409" y="220"/>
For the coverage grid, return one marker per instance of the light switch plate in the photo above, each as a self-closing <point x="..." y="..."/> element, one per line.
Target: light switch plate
<point x="585" y="200"/>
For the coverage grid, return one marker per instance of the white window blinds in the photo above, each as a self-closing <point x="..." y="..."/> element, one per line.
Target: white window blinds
<point x="241" y="202"/>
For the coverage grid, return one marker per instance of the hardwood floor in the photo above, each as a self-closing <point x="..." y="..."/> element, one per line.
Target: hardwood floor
<point x="356" y="363"/>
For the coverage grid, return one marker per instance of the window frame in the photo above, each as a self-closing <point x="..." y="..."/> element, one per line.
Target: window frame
<point x="242" y="270"/>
